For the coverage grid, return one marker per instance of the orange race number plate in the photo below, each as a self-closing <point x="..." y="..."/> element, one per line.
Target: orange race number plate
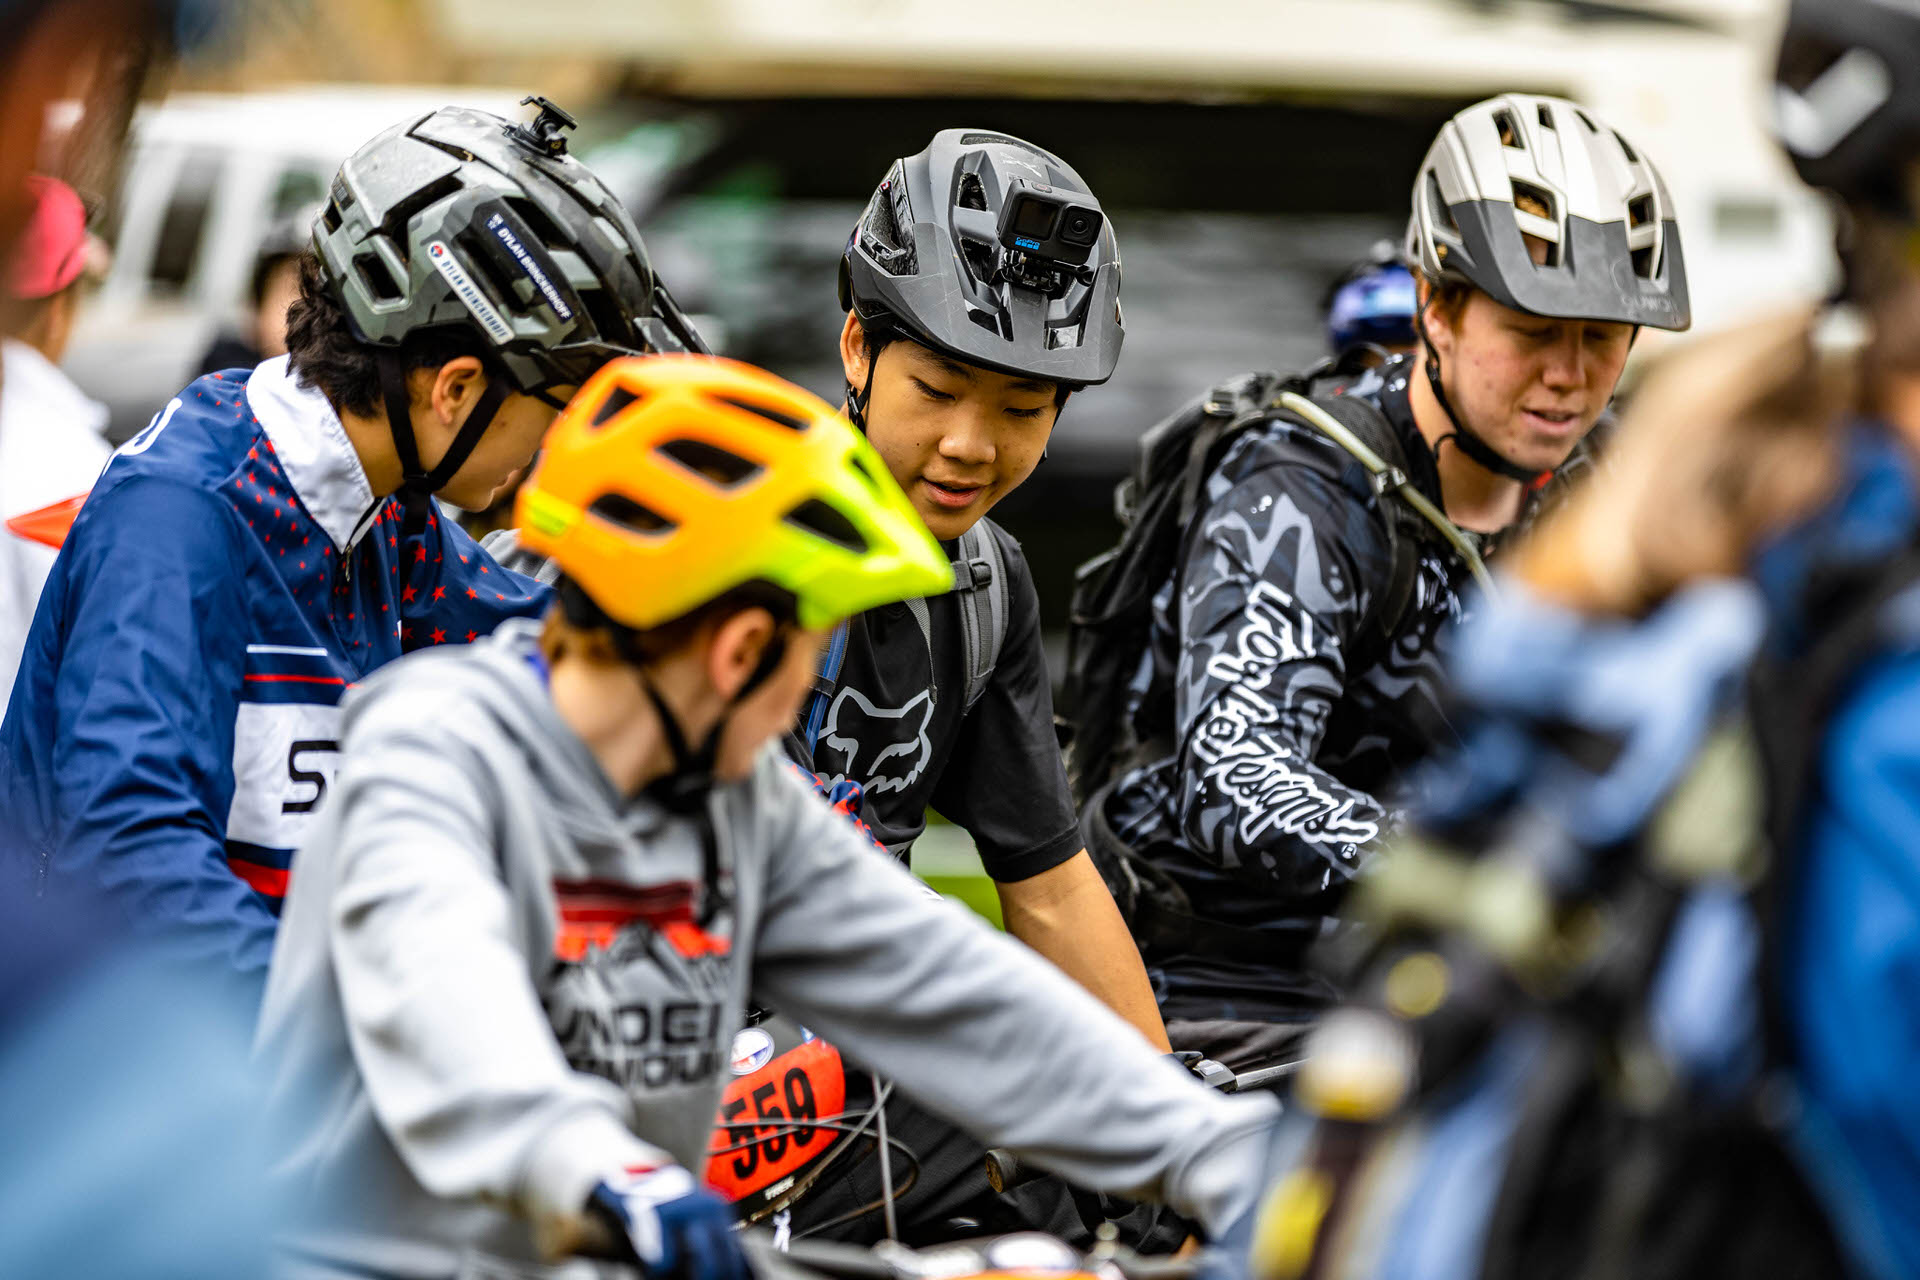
<point x="762" y="1136"/>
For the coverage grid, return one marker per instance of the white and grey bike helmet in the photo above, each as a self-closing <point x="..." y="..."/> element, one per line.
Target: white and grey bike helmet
<point x="1613" y="248"/>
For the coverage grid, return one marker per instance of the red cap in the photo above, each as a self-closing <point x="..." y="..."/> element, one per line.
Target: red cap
<point x="52" y="251"/>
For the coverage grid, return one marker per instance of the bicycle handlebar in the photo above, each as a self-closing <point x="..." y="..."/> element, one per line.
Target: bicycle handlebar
<point x="1006" y="1171"/>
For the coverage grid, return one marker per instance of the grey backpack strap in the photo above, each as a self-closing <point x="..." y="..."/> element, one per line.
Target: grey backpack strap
<point x="1390" y="479"/>
<point x="980" y="585"/>
<point x="504" y="545"/>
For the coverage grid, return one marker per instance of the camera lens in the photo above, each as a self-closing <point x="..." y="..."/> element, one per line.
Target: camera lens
<point x="1080" y="226"/>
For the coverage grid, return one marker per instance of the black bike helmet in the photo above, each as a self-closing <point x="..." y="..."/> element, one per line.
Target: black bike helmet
<point x="992" y="251"/>
<point x="1846" y="98"/>
<point x="460" y="219"/>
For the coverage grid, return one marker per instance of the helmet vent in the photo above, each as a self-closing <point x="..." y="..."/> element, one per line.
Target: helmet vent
<point x="1437" y="211"/>
<point x="823" y="521"/>
<point x="539" y="223"/>
<point x="1640" y="211"/>
<point x="865" y="471"/>
<point x="990" y="323"/>
<point x="1633" y="157"/>
<point x="1587" y="120"/>
<point x="973" y="195"/>
<point x="1546" y="118"/>
<point x="395" y="223"/>
<point x="881" y="233"/>
<point x="379" y="282"/>
<point x="1509" y="128"/>
<point x="772" y="415"/>
<point x="330" y="217"/>
<point x="611" y="404"/>
<point x="618" y="509"/>
<point x="1645" y="262"/>
<point x="996" y="140"/>
<point x="711" y="462"/>
<point x="980" y="258"/>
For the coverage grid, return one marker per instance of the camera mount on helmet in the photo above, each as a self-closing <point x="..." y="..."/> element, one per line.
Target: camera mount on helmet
<point x="1047" y="236"/>
<point x="546" y="133"/>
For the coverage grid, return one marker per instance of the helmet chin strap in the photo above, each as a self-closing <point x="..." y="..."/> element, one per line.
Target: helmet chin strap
<point x="684" y="790"/>
<point x="1477" y="450"/>
<point x="417" y="484"/>
<point x="857" y="401"/>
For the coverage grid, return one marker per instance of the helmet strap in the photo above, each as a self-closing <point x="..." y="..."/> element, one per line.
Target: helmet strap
<point x="1477" y="450"/>
<point x="417" y="483"/>
<point x="857" y="401"/>
<point x="684" y="789"/>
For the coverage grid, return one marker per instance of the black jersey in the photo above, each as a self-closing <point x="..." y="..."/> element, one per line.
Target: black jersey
<point x="897" y="725"/>
<point x="1289" y="725"/>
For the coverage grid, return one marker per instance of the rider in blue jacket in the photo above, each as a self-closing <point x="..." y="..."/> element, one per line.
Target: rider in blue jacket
<point x="271" y="537"/>
<point x="1847" y="109"/>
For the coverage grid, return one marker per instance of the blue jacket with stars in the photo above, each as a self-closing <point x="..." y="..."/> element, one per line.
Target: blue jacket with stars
<point x="175" y="722"/>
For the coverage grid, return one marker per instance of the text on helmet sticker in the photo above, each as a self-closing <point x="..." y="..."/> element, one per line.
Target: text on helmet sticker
<point x="468" y="292"/>
<point x="531" y="265"/>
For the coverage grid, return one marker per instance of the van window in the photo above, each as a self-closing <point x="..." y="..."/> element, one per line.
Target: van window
<point x="176" y="251"/>
<point x="296" y="189"/>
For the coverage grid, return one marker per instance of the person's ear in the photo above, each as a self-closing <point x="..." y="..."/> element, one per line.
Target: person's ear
<point x="738" y="644"/>
<point x="853" y="351"/>
<point x="1435" y="322"/>
<point x="455" y="389"/>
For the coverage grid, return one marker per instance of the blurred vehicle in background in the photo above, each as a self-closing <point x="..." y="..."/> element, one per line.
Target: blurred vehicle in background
<point x="206" y="177"/>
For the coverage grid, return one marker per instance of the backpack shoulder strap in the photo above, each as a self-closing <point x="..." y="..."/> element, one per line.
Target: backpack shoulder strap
<point x="1388" y="478"/>
<point x="980" y="582"/>
<point x="980" y="591"/>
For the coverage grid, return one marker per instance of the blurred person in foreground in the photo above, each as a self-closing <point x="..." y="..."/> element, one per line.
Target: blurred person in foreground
<point x="1687" y="1042"/>
<point x="272" y="289"/>
<point x="1293" y="669"/>
<point x="51" y="441"/>
<point x="561" y="862"/>
<point x="267" y="542"/>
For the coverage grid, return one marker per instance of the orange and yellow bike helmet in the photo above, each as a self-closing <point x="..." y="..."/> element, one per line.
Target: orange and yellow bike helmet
<point x="670" y="480"/>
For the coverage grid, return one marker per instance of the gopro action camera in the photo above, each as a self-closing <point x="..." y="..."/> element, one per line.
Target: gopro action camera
<point x="1042" y="223"/>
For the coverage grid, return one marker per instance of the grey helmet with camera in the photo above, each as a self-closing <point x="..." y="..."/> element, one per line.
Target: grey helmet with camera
<point x="1522" y="165"/>
<point x="992" y="251"/>
<point x="459" y="219"/>
<point x="1846" y="99"/>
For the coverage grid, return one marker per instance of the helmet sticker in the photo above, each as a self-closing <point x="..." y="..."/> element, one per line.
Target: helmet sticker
<point x="468" y="292"/>
<point x="529" y="264"/>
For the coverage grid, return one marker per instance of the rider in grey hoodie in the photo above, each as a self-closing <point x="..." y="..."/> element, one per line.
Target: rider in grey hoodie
<point x="502" y="981"/>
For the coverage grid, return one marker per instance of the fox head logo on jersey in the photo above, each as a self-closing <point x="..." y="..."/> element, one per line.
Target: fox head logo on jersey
<point x="885" y="749"/>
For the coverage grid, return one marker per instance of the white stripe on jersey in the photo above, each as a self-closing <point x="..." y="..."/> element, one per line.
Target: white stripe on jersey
<point x="284" y="756"/>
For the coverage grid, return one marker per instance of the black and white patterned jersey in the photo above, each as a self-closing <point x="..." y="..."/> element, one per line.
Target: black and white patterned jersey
<point x="1290" y="723"/>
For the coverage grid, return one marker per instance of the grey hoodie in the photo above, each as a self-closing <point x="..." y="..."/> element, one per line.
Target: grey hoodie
<point x="491" y="989"/>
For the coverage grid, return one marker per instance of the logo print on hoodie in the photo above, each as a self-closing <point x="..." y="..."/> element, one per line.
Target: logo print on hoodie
<point x="639" y="992"/>
<point x="895" y="738"/>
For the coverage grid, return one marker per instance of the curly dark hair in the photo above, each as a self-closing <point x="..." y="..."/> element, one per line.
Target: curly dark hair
<point x="325" y="354"/>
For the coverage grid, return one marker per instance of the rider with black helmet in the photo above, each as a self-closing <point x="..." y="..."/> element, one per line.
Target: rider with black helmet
<point x="1282" y="697"/>
<point x="981" y="286"/>
<point x="271" y="538"/>
<point x="982" y="289"/>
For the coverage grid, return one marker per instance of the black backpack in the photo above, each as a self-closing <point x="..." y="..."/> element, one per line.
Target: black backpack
<point x="1111" y="614"/>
